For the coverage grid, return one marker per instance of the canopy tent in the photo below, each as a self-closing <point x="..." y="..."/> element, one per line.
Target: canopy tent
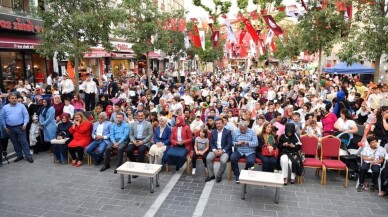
<point x="344" y="68"/>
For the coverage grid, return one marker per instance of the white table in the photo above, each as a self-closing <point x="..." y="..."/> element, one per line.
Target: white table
<point x="140" y="169"/>
<point x="261" y="178"/>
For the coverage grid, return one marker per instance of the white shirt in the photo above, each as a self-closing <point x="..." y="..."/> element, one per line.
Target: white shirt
<point x="89" y="87"/>
<point x="67" y="86"/>
<point x="69" y="109"/>
<point x="100" y="129"/>
<point x="49" y="81"/>
<point x="179" y="134"/>
<point x="196" y="125"/>
<point x="219" y="138"/>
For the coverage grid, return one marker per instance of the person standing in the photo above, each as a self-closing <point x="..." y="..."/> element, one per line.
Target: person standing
<point x="14" y="118"/>
<point x="67" y="87"/>
<point x="39" y="77"/>
<point x="47" y="122"/>
<point x="90" y="89"/>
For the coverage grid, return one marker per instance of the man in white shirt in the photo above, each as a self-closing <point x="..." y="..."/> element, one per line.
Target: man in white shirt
<point x="49" y="80"/>
<point x="90" y="89"/>
<point x="197" y="124"/>
<point x="67" y="87"/>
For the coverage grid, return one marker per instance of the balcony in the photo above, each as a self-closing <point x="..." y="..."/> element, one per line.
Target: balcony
<point x="23" y="10"/>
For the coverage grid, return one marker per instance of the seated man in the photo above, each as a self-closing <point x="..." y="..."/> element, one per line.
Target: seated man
<point x="245" y="143"/>
<point x="101" y="138"/>
<point x="372" y="157"/>
<point x="139" y="138"/>
<point x="119" y="137"/>
<point x="221" y="146"/>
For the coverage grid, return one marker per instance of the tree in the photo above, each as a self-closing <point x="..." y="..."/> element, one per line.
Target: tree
<point x="319" y="30"/>
<point x="73" y="27"/>
<point x="210" y="54"/>
<point x="289" y="47"/>
<point x="368" y="36"/>
<point x="144" y="28"/>
<point x="219" y="8"/>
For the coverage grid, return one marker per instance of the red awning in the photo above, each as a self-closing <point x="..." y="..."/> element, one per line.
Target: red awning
<point x="19" y="43"/>
<point x="97" y="53"/>
<point x="153" y="55"/>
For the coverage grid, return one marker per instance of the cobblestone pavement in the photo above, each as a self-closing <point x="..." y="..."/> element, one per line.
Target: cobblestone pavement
<point x="47" y="189"/>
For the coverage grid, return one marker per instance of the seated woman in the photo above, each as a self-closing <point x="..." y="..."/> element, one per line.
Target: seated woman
<point x="267" y="140"/>
<point x="345" y="124"/>
<point x="181" y="140"/>
<point x="59" y="144"/>
<point x="289" y="145"/>
<point x="312" y="128"/>
<point x="81" y="131"/>
<point x="162" y="137"/>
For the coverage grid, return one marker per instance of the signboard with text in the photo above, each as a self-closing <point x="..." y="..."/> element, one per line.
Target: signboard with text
<point x="23" y="24"/>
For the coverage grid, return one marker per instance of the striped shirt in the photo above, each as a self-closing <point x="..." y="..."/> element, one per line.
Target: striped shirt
<point x="250" y="137"/>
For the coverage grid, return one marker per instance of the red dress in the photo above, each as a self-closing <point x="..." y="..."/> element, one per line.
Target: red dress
<point x="82" y="135"/>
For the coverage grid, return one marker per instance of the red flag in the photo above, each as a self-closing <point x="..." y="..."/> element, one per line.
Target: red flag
<point x="254" y="15"/>
<point x="166" y="26"/>
<point x="349" y="10"/>
<point x="196" y="38"/>
<point x="181" y="25"/>
<point x="173" y="24"/>
<point x="340" y="5"/>
<point x="269" y="20"/>
<point x="324" y="4"/>
<point x="273" y="46"/>
<point x="251" y="30"/>
<point x="243" y="51"/>
<point x="215" y="38"/>
<point x="211" y="27"/>
<point x="242" y="35"/>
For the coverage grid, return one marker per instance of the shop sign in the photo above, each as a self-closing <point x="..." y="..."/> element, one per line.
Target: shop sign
<point x="122" y="46"/>
<point x="10" y="22"/>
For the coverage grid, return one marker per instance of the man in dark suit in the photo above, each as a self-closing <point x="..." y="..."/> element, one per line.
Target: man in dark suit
<point x="221" y="145"/>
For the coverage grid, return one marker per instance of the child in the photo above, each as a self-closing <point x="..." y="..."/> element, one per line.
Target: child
<point x="78" y="103"/>
<point x="201" y="148"/>
<point x="372" y="158"/>
<point x="34" y="131"/>
<point x="68" y="108"/>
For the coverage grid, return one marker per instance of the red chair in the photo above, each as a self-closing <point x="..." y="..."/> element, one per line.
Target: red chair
<point x="330" y="157"/>
<point x="310" y="149"/>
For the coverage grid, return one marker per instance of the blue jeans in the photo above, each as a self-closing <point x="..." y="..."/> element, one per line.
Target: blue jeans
<point x="60" y="151"/>
<point x="100" y="145"/>
<point x="18" y="138"/>
<point x="236" y="156"/>
<point x="269" y="163"/>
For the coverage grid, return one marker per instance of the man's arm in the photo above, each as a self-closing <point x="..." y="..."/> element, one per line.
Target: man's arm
<point x="229" y="141"/>
<point x="112" y="134"/>
<point x="149" y="134"/>
<point x="132" y="132"/>
<point x="26" y="117"/>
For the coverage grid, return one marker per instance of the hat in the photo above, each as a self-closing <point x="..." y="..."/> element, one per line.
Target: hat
<point x="203" y="105"/>
<point x="198" y="114"/>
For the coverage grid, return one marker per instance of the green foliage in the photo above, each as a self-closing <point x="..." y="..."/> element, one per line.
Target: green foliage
<point x="289" y="47"/>
<point x="219" y="8"/>
<point x="319" y="30"/>
<point x="176" y="44"/>
<point x="67" y="31"/>
<point x="368" y="35"/>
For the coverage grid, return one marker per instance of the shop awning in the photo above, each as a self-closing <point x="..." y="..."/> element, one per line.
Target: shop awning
<point x="154" y="55"/>
<point x="19" y="43"/>
<point x="97" y="53"/>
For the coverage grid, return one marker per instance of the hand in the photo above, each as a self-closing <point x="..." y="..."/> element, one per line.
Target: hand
<point x="140" y="143"/>
<point x="197" y="152"/>
<point x="285" y="144"/>
<point x="58" y="119"/>
<point x="159" y="144"/>
<point x="24" y="127"/>
<point x="270" y="148"/>
<point x="115" y="145"/>
<point x="7" y="130"/>
<point x="59" y="137"/>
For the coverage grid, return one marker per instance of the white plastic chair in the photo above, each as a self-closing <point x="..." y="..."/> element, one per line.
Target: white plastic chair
<point x="370" y="171"/>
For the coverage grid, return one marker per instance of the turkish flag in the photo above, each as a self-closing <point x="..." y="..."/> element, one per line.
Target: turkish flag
<point x="324" y="4"/>
<point x="181" y="25"/>
<point x="173" y="24"/>
<point x="349" y="10"/>
<point x="273" y="46"/>
<point x="251" y="30"/>
<point x="211" y="27"/>
<point x="166" y="26"/>
<point x="196" y="38"/>
<point x="242" y="35"/>
<point x="269" y="20"/>
<point x="215" y="38"/>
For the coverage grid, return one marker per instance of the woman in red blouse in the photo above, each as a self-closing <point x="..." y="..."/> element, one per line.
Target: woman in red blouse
<point x="181" y="140"/>
<point x="81" y="131"/>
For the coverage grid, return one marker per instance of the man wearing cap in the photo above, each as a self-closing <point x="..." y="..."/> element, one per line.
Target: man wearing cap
<point x="245" y="143"/>
<point x="67" y="87"/>
<point x="221" y="146"/>
<point x="197" y="123"/>
<point x="90" y="89"/>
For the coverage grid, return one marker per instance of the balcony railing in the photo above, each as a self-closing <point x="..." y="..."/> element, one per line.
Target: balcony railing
<point x="33" y="13"/>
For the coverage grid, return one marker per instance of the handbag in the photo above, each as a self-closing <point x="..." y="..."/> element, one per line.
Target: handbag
<point x="265" y="151"/>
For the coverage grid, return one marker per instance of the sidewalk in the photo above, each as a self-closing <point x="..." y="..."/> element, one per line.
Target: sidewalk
<point x="47" y="189"/>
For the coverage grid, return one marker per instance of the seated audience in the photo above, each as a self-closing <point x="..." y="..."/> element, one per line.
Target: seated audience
<point x="181" y="140"/>
<point x="59" y="144"/>
<point x="81" y="131"/>
<point x="201" y="148"/>
<point x="161" y="142"/>
<point x="268" y="140"/>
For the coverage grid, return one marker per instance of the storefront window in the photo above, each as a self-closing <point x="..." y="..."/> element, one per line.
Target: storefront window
<point x="119" y="67"/>
<point x="12" y="68"/>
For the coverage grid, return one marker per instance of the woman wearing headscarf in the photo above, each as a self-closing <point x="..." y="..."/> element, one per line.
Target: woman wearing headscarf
<point x="59" y="144"/>
<point x="58" y="106"/>
<point x="161" y="144"/>
<point x="47" y="122"/>
<point x="109" y="111"/>
<point x="289" y="145"/>
<point x="180" y="141"/>
<point x="81" y="131"/>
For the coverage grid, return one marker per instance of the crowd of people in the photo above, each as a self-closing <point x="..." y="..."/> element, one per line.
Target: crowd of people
<point x="228" y="115"/>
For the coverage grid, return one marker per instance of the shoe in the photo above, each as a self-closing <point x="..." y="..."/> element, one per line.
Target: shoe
<point x="382" y="193"/>
<point x="193" y="171"/>
<point x="285" y="181"/>
<point x="115" y="172"/>
<point x="219" y="179"/>
<point x="98" y="162"/>
<point x="105" y="167"/>
<point x="292" y="181"/>
<point x="177" y="169"/>
<point x="237" y="180"/>
<point x="18" y="159"/>
<point x="208" y="179"/>
<point x="135" y="177"/>
<point x="30" y="160"/>
<point x="73" y="163"/>
<point x="359" y="188"/>
<point x="78" y="164"/>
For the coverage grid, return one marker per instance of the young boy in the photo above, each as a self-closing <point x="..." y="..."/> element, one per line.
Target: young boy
<point x="117" y="108"/>
<point x="68" y="108"/>
<point x="296" y="120"/>
<point x="372" y="157"/>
